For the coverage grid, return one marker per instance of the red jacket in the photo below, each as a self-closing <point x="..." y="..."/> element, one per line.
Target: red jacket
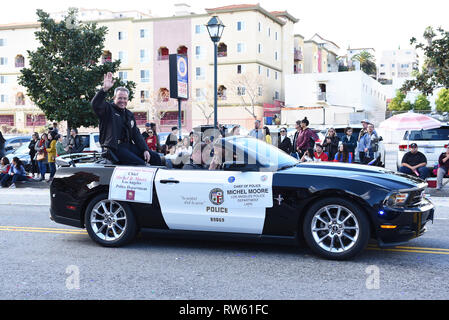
<point x="151" y="142"/>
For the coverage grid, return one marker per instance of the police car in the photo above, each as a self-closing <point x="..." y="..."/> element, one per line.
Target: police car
<point x="259" y="193"/>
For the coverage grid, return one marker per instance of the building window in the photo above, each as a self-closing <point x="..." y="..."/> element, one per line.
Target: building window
<point x="3" y="79"/>
<point x="141" y="118"/>
<point x="240" y="47"/>
<point x="260" y="91"/>
<point x="121" y="35"/>
<point x="240" y="69"/>
<point x="199" y="29"/>
<point x="19" y="61"/>
<point x="170" y="118"/>
<point x="260" y="27"/>
<point x="222" y="50"/>
<point x="275" y="75"/>
<point x="123" y="75"/>
<point x="163" y="95"/>
<point x="241" y="91"/>
<point x="199" y="72"/>
<point x="7" y="119"/>
<point x="276" y="95"/>
<point x="2" y="42"/>
<point x="144" y="96"/>
<point x="145" y="75"/>
<point x="260" y="70"/>
<point x="276" y="35"/>
<point x="221" y="92"/>
<point x="259" y="48"/>
<point x="143" y="33"/>
<point x="144" y="56"/>
<point x="20" y="99"/>
<point x="3" y="98"/>
<point x="122" y="56"/>
<point x="162" y="53"/>
<point x="3" y="61"/>
<point x="268" y="73"/>
<point x="240" y="25"/>
<point x="199" y="94"/>
<point x="35" y="120"/>
<point x="106" y="56"/>
<point x="182" y="50"/>
<point x="269" y="32"/>
<point x="276" y="55"/>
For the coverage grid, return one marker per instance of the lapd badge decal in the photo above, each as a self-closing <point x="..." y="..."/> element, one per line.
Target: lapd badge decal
<point x="216" y="196"/>
<point x="132" y="123"/>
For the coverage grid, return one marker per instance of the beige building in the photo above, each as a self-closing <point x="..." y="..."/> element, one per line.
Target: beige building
<point x="257" y="50"/>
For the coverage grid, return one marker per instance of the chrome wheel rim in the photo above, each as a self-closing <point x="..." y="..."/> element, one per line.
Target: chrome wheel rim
<point x="108" y="220"/>
<point x="335" y="228"/>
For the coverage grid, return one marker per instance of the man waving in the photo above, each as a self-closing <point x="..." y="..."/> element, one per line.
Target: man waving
<point x="118" y="129"/>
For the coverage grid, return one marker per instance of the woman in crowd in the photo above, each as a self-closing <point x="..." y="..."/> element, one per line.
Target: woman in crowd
<point x="4" y="167"/>
<point x="284" y="142"/>
<point x="16" y="173"/>
<point x="185" y="148"/>
<point x="304" y="138"/>
<point x="331" y="143"/>
<point x="60" y="150"/>
<point x="151" y="140"/>
<point x="32" y="153"/>
<point x="306" y="157"/>
<point x="343" y="155"/>
<point x="319" y="154"/>
<point x="349" y="140"/>
<point x="51" y="153"/>
<point x="267" y="135"/>
<point x="2" y="146"/>
<point x="41" y="155"/>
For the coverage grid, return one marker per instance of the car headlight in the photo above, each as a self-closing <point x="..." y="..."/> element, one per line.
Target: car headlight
<point x="396" y="199"/>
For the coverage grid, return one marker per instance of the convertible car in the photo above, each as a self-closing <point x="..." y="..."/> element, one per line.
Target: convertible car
<point x="257" y="193"/>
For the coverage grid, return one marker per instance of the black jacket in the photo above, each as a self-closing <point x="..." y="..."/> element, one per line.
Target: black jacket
<point x="111" y="123"/>
<point x="285" y="145"/>
<point x="351" y="143"/>
<point x="75" y="145"/>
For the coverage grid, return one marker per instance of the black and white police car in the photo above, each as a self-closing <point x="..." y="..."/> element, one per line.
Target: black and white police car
<point x="259" y="192"/>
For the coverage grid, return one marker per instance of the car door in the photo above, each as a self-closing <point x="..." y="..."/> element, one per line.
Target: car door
<point x="221" y="201"/>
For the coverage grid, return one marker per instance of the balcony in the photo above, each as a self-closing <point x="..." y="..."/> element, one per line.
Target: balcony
<point x="298" y="55"/>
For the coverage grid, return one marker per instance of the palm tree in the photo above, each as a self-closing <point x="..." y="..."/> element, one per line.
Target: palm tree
<point x="366" y="61"/>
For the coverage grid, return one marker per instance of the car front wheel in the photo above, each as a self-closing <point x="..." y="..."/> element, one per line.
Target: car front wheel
<point x="336" y="229"/>
<point x="110" y="223"/>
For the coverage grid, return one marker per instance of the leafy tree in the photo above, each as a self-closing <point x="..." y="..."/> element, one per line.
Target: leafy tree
<point x="366" y="61"/>
<point x="422" y="104"/>
<point x="406" y="106"/>
<point x="65" y="70"/>
<point x="435" y="72"/>
<point x="442" y="102"/>
<point x="395" y="104"/>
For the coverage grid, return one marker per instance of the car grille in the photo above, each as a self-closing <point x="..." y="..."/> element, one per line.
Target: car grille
<point x="415" y="197"/>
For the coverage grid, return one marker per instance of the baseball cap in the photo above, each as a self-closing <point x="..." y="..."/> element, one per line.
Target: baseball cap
<point x="147" y="124"/>
<point x="365" y="120"/>
<point x="413" y="145"/>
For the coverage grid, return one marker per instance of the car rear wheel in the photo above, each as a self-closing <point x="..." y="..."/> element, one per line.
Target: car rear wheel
<point x="336" y="229"/>
<point x="110" y="223"/>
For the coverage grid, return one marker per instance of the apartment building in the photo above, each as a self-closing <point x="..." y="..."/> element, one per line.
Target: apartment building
<point x="398" y="63"/>
<point x="256" y="52"/>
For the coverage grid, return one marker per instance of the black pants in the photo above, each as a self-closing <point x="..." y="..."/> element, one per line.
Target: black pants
<point x="130" y="154"/>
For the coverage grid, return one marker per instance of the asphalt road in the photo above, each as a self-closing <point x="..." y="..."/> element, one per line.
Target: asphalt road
<point x="40" y="259"/>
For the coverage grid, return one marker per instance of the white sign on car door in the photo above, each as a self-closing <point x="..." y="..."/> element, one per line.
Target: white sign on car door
<point x="222" y="201"/>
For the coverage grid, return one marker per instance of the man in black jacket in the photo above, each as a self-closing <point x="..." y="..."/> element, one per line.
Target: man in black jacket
<point x="284" y="142"/>
<point x="118" y="129"/>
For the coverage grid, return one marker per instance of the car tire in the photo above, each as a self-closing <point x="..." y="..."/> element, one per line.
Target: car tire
<point x="336" y="229"/>
<point x="110" y="223"/>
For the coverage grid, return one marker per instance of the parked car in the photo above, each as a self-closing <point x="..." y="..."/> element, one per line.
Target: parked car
<point x="12" y="144"/>
<point x="91" y="142"/>
<point x="266" y="196"/>
<point x="356" y="128"/>
<point x="431" y="143"/>
<point x="23" y="154"/>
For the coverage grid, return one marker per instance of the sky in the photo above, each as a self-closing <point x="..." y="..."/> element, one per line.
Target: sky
<point x="380" y="24"/>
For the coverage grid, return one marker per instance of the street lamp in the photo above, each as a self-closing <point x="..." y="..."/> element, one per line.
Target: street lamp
<point x="215" y="28"/>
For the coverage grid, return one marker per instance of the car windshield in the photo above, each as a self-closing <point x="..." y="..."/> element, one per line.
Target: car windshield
<point x="23" y="149"/>
<point x="267" y="155"/>
<point x="430" y="134"/>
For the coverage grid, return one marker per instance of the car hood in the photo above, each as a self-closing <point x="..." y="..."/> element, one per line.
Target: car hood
<point x="375" y="175"/>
